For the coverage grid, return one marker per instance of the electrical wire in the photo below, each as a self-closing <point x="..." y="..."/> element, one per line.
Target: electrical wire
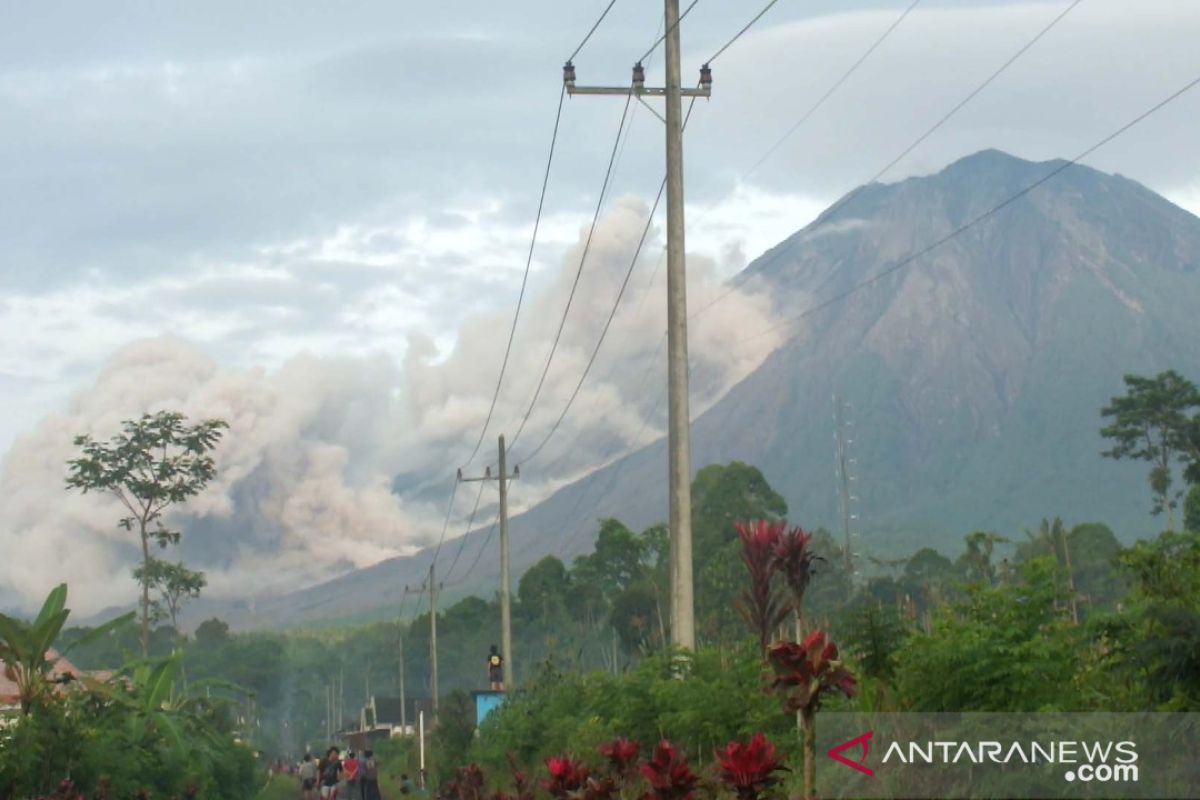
<point x="579" y="271"/>
<point x="841" y="202"/>
<point x="742" y="32"/>
<point x="612" y="312"/>
<point x="537" y="221"/>
<point x="595" y="25"/>
<point x="462" y="540"/>
<point x="830" y="91"/>
<point x="909" y="259"/>
<point x="482" y="549"/>
<point x="446" y="523"/>
<point x="667" y="33"/>
<point x="604" y="331"/>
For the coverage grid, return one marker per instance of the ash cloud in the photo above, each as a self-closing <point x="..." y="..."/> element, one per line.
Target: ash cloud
<point x="308" y="470"/>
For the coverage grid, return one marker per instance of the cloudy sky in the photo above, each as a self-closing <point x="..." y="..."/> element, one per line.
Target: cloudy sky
<point x="312" y="218"/>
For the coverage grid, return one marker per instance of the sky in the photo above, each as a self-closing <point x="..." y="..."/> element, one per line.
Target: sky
<point x="312" y="219"/>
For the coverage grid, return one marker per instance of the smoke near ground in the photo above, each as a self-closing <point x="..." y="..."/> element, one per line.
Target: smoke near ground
<point x="336" y="463"/>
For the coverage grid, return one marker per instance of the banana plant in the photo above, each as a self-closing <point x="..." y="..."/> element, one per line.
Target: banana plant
<point x="27" y="648"/>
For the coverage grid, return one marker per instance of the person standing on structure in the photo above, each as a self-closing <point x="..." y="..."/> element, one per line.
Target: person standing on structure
<point x="495" y="665"/>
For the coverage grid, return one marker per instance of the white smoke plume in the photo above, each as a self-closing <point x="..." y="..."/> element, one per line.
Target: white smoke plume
<point x="332" y="464"/>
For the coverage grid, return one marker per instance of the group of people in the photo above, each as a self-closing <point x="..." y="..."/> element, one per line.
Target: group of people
<point x="336" y="778"/>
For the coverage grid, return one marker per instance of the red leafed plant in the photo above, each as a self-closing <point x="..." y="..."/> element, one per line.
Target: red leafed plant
<point x="669" y="775"/>
<point x="567" y="777"/>
<point x="621" y="754"/>
<point x="467" y="783"/>
<point x="760" y="603"/>
<point x="794" y="559"/>
<point x="804" y="673"/>
<point x="749" y="768"/>
<point x="521" y="784"/>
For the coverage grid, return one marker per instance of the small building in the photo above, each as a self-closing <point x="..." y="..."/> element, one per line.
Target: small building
<point x="486" y="701"/>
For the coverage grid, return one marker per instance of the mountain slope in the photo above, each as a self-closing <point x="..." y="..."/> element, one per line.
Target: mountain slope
<point x="975" y="374"/>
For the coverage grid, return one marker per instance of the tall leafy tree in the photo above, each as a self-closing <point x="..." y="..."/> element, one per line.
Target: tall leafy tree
<point x="1153" y="422"/>
<point x="155" y="462"/>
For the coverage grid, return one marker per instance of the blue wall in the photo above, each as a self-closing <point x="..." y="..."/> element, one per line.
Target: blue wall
<point x="484" y="703"/>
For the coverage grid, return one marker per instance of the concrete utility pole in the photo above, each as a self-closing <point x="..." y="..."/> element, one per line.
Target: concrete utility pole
<point x="433" y="664"/>
<point x="505" y="579"/>
<point x="403" y="699"/>
<point x="683" y="624"/>
<point x="844" y="461"/>
<point x="432" y="586"/>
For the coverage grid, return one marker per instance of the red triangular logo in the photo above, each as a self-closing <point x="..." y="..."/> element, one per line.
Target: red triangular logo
<point x="836" y="753"/>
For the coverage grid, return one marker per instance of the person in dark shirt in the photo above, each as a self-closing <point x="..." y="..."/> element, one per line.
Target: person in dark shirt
<point x="331" y="774"/>
<point x="495" y="669"/>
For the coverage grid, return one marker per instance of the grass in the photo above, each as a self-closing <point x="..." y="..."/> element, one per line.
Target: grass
<point x="280" y="787"/>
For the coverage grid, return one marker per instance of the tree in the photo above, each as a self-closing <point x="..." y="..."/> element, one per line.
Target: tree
<point x="175" y="583"/>
<point x="1191" y="509"/>
<point x="212" y="633"/>
<point x="543" y="588"/>
<point x="723" y="494"/>
<point x="1152" y="423"/>
<point x="155" y="462"/>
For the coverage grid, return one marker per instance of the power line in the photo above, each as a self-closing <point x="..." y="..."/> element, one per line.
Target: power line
<point x="841" y="202"/>
<point x="667" y="33"/>
<point x="595" y="25"/>
<point x="829" y="92"/>
<point x="971" y="96"/>
<point x="479" y="554"/>
<point x="909" y="259"/>
<point x="462" y="540"/>
<point x="607" y="323"/>
<point x="446" y="523"/>
<point x="578" y="272"/>
<point x="537" y="221"/>
<point x="740" y="33"/>
<point x="616" y="304"/>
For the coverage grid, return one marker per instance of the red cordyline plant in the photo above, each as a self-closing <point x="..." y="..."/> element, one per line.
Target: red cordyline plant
<point x="794" y="559"/>
<point x="804" y="674"/>
<point x="467" y="783"/>
<point x="621" y="754"/>
<point x="668" y="774"/>
<point x="760" y="603"/>
<point x="749" y="768"/>
<point x="521" y="783"/>
<point x="568" y="778"/>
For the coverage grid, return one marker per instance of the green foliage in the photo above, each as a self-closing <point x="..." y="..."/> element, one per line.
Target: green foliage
<point x="722" y="699"/>
<point x="1154" y="422"/>
<point x="1191" y="509"/>
<point x="1003" y="648"/>
<point x="134" y="732"/>
<point x="155" y="462"/>
<point x="26" y="648"/>
<point x="174" y="583"/>
<point x="1157" y="643"/>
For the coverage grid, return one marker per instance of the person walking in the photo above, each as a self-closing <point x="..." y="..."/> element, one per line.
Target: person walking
<point x="350" y="775"/>
<point x="369" y="767"/>
<point x="331" y="774"/>
<point x="308" y="777"/>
